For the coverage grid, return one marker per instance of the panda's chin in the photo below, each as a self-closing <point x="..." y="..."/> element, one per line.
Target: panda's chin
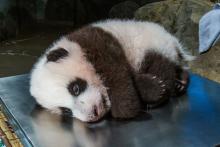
<point x="89" y="117"/>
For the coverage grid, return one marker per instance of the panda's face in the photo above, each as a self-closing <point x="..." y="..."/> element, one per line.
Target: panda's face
<point x="90" y="101"/>
<point x="64" y="81"/>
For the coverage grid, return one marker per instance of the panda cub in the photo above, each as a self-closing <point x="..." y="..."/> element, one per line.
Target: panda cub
<point x="114" y="66"/>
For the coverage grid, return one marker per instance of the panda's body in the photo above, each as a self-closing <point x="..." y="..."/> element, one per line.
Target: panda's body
<point x="109" y="65"/>
<point x="138" y="38"/>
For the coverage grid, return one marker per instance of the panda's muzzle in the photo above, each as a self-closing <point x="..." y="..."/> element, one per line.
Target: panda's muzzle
<point x="99" y="110"/>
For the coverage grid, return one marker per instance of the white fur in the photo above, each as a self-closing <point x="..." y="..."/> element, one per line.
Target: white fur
<point x="49" y="80"/>
<point x="140" y="37"/>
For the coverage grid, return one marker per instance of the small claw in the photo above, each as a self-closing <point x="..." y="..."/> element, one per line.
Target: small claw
<point x="182" y="82"/>
<point x="176" y="84"/>
<point x="163" y="85"/>
<point x="160" y="81"/>
<point x="182" y="88"/>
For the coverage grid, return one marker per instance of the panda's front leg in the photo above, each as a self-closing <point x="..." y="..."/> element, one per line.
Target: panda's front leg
<point x="152" y="89"/>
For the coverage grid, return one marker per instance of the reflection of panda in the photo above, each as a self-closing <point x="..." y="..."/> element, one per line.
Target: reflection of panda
<point x="53" y="130"/>
<point x="109" y="65"/>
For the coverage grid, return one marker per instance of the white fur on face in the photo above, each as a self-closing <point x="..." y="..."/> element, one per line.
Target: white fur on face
<point x="49" y="82"/>
<point x="140" y="37"/>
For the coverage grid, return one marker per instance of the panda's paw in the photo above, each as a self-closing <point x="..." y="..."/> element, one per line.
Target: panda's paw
<point x="158" y="94"/>
<point x="181" y="83"/>
<point x="161" y="86"/>
<point x="152" y="89"/>
<point x="180" y="86"/>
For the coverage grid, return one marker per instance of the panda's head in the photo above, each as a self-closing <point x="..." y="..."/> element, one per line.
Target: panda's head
<point x="63" y="79"/>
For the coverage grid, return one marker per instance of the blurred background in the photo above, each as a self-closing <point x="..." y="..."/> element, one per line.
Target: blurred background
<point x="27" y="27"/>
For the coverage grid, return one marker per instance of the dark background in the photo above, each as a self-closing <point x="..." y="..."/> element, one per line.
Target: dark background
<point x="18" y="16"/>
<point x="28" y="27"/>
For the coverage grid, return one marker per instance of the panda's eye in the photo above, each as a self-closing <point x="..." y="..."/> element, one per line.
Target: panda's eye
<point x="77" y="86"/>
<point x="76" y="90"/>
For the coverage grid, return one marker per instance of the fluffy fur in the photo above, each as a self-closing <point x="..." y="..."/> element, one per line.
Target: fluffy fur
<point x="124" y="63"/>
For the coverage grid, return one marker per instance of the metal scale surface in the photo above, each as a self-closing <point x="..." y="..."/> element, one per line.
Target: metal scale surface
<point x="192" y="120"/>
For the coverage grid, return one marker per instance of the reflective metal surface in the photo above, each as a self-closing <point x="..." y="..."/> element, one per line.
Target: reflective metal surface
<point x="191" y="120"/>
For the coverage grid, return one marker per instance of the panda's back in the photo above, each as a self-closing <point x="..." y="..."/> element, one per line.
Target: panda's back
<point x="138" y="38"/>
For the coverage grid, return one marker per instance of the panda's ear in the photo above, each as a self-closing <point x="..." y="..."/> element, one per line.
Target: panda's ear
<point x="56" y="55"/>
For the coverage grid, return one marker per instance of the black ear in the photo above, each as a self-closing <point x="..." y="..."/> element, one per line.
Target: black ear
<point x="57" y="54"/>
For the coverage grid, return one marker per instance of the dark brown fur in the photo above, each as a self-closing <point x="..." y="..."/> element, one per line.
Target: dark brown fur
<point x="162" y="67"/>
<point x="107" y="56"/>
<point x="127" y="88"/>
<point x="166" y="73"/>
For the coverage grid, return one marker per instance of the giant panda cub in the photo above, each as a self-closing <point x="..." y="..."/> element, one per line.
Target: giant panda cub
<point x="115" y="66"/>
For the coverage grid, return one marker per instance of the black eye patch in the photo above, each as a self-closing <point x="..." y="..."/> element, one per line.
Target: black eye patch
<point x="57" y="54"/>
<point x="77" y="86"/>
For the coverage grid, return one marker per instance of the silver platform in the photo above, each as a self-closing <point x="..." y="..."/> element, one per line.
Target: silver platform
<point x="189" y="121"/>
